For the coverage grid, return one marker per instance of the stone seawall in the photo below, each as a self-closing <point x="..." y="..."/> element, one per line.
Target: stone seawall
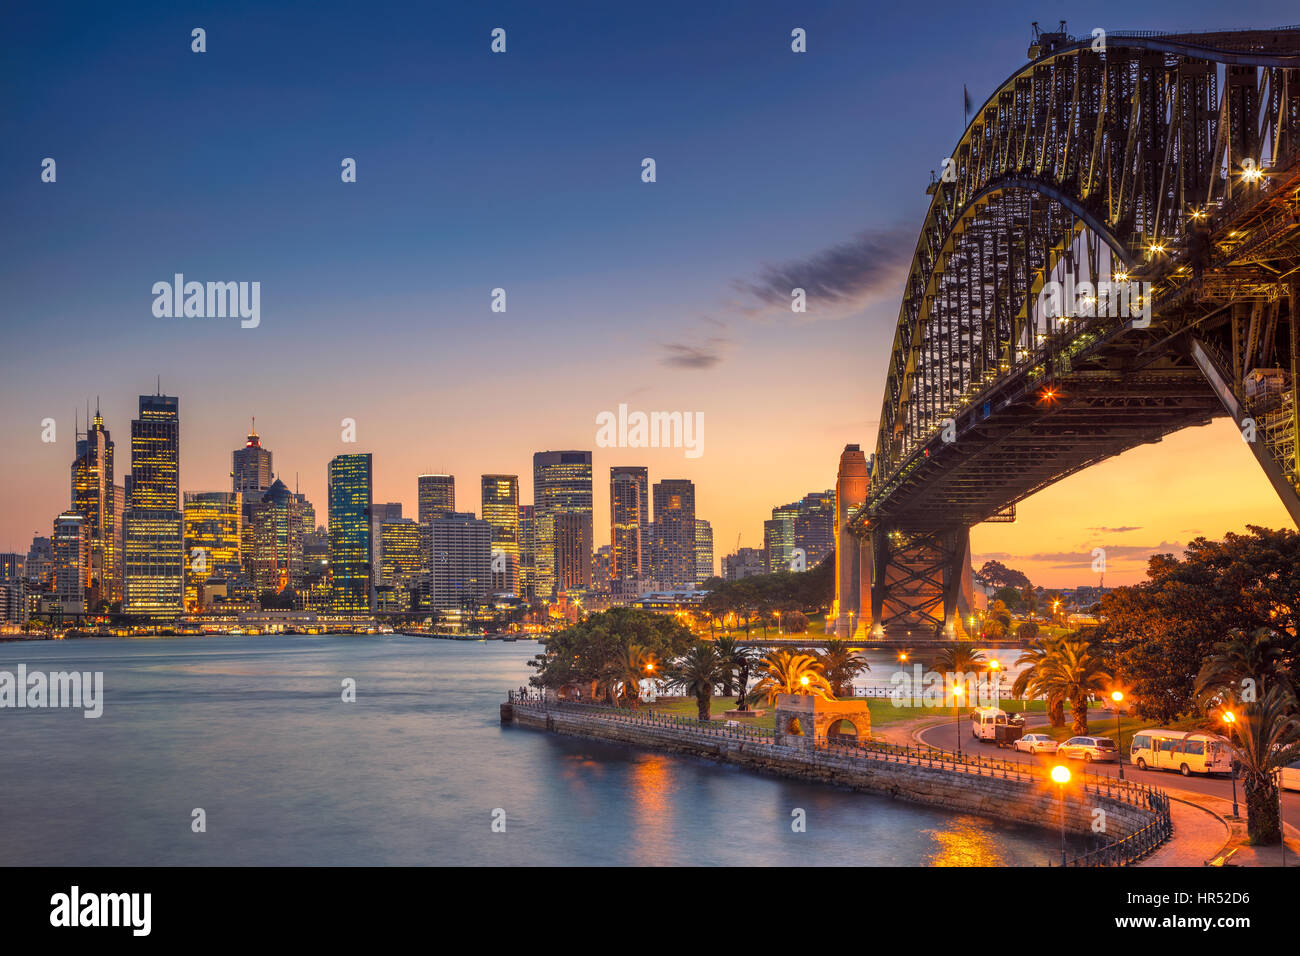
<point x="1034" y="801"/>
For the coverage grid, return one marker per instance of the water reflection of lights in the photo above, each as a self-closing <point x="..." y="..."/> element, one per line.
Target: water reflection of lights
<point x="652" y="826"/>
<point x="966" y="842"/>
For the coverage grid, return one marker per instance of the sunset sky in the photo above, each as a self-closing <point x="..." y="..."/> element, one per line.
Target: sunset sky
<point x="521" y="171"/>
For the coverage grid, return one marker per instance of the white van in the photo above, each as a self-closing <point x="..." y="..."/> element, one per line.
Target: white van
<point x="1186" y="751"/>
<point x="992" y="723"/>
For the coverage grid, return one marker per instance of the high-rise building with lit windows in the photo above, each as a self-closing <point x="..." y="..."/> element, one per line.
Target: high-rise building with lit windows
<point x="703" y="551"/>
<point x="436" y="496"/>
<point x="561" y="486"/>
<point x="153" y="559"/>
<point x="71" y="545"/>
<point x="93" y="499"/>
<point x="250" y="477"/>
<point x="213" y="521"/>
<point x="573" y="544"/>
<point x="501" y="511"/>
<point x="629" y="515"/>
<point x="351" y="494"/>
<point x="673" y="549"/>
<point x="527" y="553"/>
<point x="403" y="562"/>
<point x="276" y="563"/>
<point x="460" y="576"/>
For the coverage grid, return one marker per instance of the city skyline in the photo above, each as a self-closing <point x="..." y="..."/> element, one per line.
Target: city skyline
<point x="659" y="296"/>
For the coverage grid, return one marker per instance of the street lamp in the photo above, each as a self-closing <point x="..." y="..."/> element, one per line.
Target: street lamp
<point x="996" y="667"/>
<point x="1061" y="774"/>
<point x="1118" y="697"/>
<point x="1230" y="719"/>
<point x="957" y="691"/>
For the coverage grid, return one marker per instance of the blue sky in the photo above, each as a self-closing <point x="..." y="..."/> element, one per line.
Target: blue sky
<point x="478" y="171"/>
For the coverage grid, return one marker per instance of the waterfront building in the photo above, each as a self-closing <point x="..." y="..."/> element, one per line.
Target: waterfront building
<point x="153" y="560"/>
<point x="573" y="531"/>
<point x="351" y="485"/>
<point x="380" y="513"/>
<point x="92" y="498"/>
<point x="703" y="550"/>
<point x="629" y="516"/>
<point x="501" y="511"/>
<point x="562" y="486"/>
<point x="71" y="545"/>
<point x="402" y="563"/>
<point x="213" y="523"/>
<point x="460" y="575"/>
<point x="672" y="564"/>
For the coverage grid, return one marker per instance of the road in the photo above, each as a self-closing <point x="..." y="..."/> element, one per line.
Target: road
<point x="945" y="738"/>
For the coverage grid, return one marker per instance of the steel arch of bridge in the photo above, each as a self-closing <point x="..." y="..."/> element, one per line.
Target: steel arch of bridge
<point x="1131" y="160"/>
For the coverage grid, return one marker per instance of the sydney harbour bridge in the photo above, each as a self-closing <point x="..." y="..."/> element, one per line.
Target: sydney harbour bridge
<point x="1111" y="254"/>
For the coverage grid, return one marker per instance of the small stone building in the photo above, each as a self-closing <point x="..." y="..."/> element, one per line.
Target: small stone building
<point x="802" y="719"/>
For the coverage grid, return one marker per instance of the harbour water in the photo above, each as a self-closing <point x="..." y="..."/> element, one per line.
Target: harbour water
<point x="254" y="731"/>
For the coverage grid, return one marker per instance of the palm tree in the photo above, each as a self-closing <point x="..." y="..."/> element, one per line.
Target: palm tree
<point x="961" y="659"/>
<point x="1258" y="658"/>
<point x="1074" y="672"/>
<point x="1029" y="682"/>
<point x="737" y="661"/>
<point x="1268" y="738"/>
<point x="841" y="664"/>
<point x="696" y="672"/>
<point x="783" y="672"/>
<point x="626" y="670"/>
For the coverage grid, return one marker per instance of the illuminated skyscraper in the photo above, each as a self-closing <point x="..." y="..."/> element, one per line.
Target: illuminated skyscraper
<point x="673" y="551"/>
<point x="561" y="485"/>
<point x="381" y="512"/>
<point x="527" y="553"/>
<point x="629" y="514"/>
<point x="436" y="496"/>
<point x="276" y="563"/>
<point x="501" y="511"/>
<point x="71" y="545"/>
<point x="153" y="560"/>
<point x="92" y="498"/>
<point x="703" y="550"/>
<point x="403" y="561"/>
<point x="573" y="531"/>
<point x="350" y="499"/>
<point x="250" y="477"/>
<point x="213" y="521"/>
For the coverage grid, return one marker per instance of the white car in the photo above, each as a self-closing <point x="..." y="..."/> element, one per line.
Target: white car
<point x="1036" y="744"/>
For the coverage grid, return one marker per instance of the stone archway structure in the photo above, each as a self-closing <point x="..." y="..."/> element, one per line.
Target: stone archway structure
<point x="802" y="719"/>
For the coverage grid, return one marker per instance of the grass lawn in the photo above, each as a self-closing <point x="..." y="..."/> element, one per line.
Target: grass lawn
<point x="882" y="710"/>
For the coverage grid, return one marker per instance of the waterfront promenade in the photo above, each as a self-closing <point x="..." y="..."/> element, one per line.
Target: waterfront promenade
<point x="1137" y="815"/>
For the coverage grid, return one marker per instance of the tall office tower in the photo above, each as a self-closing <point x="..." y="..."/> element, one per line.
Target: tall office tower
<point x="435" y="498"/>
<point x="501" y="511"/>
<point x="92" y="498"/>
<point x="13" y="588"/>
<point x="673" y="552"/>
<point x="629" y="513"/>
<point x="561" y="485"/>
<point x="460" y="575"/>
<point x="778" y="543"/>
<point x="308" y="514"/>
<point x="40" y="563"/>
<point x="703" y="551"/>
<point x="213" y="523"/>
<point x="402" y="563"/>
<point x="573" y="544"/>
<point x="276" y="563"/>
<point x="71" y="544"/>
<point x="379" y="513"/>
<point x="119" y="539"/>
<point x="153" y="559"/>
<point x="250" y="477"/>
<point x="350" y="499"/>
<point x="527" y="553"/>
<point x="814" y="526"/>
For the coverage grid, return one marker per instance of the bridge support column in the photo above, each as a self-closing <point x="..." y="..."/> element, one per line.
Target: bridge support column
<point x="852" y="555"/>
<point x="921" y="584"/>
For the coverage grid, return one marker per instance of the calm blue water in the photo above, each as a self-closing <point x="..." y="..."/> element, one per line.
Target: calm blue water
<point x="254" y="731"/>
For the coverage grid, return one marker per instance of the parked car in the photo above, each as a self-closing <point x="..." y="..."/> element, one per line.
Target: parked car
<point x="1089" y="749"/>
<point x="1291" y="776"/>
<point x="1036" y="744"/>
<point x="1188" y="752"/>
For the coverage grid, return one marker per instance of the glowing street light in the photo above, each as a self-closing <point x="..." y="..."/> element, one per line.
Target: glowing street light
<point x="1118" y="698"/>
<point x="1061" y="774"/>
<point x="957" y="691"/>
<point x="1230" y="719"/>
